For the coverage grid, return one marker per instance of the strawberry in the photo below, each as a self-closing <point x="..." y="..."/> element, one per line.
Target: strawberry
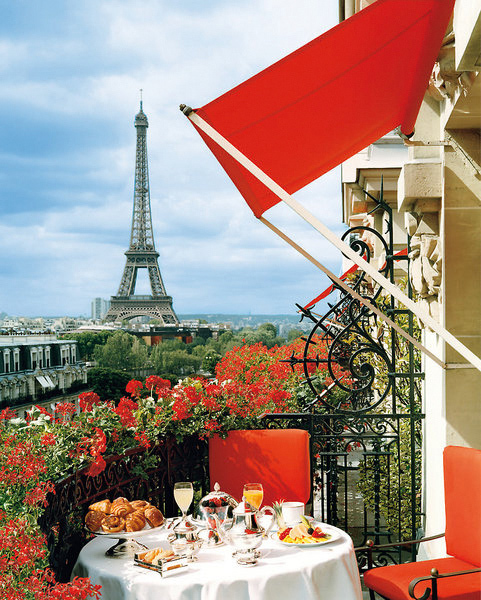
<point x="284" y="533"/>
<point x="318" y="533"/>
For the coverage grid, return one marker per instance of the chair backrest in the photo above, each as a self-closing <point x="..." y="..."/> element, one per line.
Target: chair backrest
<point x="277" y="458"/>
<point x="462" y="488"/>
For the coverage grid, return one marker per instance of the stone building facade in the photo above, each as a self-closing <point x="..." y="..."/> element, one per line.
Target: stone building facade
<point x="433" y="184"/>
<point x="36" y="367"/>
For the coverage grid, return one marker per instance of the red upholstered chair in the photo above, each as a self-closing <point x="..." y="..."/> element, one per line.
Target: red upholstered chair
<point x="277" y="458"/>
<point x="457" y="577"/>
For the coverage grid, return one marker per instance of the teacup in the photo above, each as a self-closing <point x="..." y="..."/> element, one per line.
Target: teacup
<point x="292" y="512"/>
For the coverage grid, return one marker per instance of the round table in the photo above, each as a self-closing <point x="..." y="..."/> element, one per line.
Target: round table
<point x="282" y="573"/>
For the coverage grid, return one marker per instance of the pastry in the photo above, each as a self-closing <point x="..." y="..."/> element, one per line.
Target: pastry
<point x="140" y="505"/>
<point x="119" y="500"/>
<point x="93" y="519"/>
<point x="153" y="516"/>
<point x="155" y="555"/>
<point x="113" y="524"/>
<point x="103" y="506"/>
<point x="122" y="509"/>
<point x="134" y="521"/>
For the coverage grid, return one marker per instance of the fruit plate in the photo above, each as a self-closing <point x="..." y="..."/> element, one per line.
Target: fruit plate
<point x="332" y="532"/>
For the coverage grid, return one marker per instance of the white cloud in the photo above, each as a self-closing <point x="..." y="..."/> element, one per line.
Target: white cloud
<point x="67" y="243"/>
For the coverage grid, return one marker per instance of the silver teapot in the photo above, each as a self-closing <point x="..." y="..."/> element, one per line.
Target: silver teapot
<point x="244" y="531"/>
<point x="214" y="508"/>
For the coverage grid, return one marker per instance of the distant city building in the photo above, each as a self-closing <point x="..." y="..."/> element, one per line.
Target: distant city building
<point x="100" y="306"/>
<point x="186" y="332"/>
<point x="36" y="367"/>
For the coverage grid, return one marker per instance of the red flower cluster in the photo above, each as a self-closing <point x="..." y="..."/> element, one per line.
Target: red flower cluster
<point x="20" y="577"/>
<point x="159" y="385"/>
<point x="142" y="439"/>
<point x="6" y="414"/>
<point x="180" y="409"/>
<point x="21" y="463"/>
<point x="125" y="410"/>
<point x="93" y="447"/>
<point x="65" y="408"/>
<point x="87" y="400"/>
<point x="38" y="494"/>
<point x="133" y="388"/>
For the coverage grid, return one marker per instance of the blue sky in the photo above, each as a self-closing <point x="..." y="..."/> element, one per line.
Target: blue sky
<point x="70" y="79"/>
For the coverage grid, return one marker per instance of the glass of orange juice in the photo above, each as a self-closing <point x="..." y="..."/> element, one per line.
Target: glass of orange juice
<point x="253" y="493"/>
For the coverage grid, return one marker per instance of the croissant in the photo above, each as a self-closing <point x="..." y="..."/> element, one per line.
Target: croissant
<point x="113" y="524"/>
<point x="119" y="500"/>
<point x="103" y="506"/>
<point x="153" y="516"/>
<point x="140" y="505"/>
<point x="134" y="521"/>
<point x="122" y="509"/>
<point x="93" y="519"/>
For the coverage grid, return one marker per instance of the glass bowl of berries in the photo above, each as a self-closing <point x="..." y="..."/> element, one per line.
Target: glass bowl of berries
<point x="216" y="503"/>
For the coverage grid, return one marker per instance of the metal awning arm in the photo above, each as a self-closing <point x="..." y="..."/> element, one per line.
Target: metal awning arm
<point x="341" y="245"/>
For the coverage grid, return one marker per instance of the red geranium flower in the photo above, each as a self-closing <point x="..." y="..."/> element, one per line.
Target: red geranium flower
<point x="133" y="387"/>
<point x="87" y="400"/>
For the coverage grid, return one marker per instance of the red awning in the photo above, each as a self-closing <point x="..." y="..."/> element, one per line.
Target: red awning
<point x="321" y="104"/>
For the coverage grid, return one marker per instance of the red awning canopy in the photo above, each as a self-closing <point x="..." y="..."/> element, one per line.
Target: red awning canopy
<point x="318" y="106"/>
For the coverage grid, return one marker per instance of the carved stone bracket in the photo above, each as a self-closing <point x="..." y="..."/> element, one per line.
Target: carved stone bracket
<point x="426" y="259"/>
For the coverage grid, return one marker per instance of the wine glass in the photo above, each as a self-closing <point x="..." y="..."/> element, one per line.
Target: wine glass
<point x="254" y="494"/>
<point x="183" y="495"/>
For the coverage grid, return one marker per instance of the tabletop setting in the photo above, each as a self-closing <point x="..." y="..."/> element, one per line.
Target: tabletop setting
<point x="224" y="548"/>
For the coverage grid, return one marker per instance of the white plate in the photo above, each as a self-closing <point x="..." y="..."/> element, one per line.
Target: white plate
<point x="333" y="533"/>
<point x="126" y="535"/>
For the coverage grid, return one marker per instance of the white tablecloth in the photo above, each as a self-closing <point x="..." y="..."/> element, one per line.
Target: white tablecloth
<point x="327" y="572"/>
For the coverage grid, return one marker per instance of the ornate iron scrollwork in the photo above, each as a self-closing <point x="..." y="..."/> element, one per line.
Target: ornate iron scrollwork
<point x="357" y="361"/>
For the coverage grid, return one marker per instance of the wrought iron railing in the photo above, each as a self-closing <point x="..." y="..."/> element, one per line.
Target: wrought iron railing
<point x="127" y="475"/>
<point x="365" y="417"/>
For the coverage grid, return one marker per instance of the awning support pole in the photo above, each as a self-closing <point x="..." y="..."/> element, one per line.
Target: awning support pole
<point x="352" y="292"/>
<point x="333" y="238"/>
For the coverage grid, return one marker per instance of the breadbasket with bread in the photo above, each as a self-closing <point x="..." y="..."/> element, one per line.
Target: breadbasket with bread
<point x="122" y="518"/>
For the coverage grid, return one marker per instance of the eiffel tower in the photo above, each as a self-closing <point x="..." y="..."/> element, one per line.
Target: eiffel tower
<point x="141" y="253"/>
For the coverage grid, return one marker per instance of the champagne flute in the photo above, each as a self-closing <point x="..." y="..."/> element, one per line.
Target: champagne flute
<point x="183" y="496"/>
<point x="254" y="494"/>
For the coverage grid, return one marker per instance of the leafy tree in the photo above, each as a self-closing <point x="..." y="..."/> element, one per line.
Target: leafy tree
<point x="140" y="353"/>
<point x="293" y="334"/>
<point x="210" y="360"/>
<point x="118" y="352"/>
<point x="268" y="329"/>
<point x="109" y="384"/>
<point x="86" y="341"/>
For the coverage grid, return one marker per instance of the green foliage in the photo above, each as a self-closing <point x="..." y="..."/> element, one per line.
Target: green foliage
<point x="293" y="334"/>
<point x="109" y="384"/>
<point x="87" y="341"/>
<point x="121" y="351"/>
<point x="396" y="471"/>
<point x="395" y="482"/>
<point x="179" y="362"/>
<point x="210" y="360"/>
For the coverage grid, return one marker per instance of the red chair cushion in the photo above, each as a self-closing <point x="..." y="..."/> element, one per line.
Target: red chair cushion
<point x="462" y="489"/>
<point x="277" y="458"/>
<point x="393" y="581"/>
